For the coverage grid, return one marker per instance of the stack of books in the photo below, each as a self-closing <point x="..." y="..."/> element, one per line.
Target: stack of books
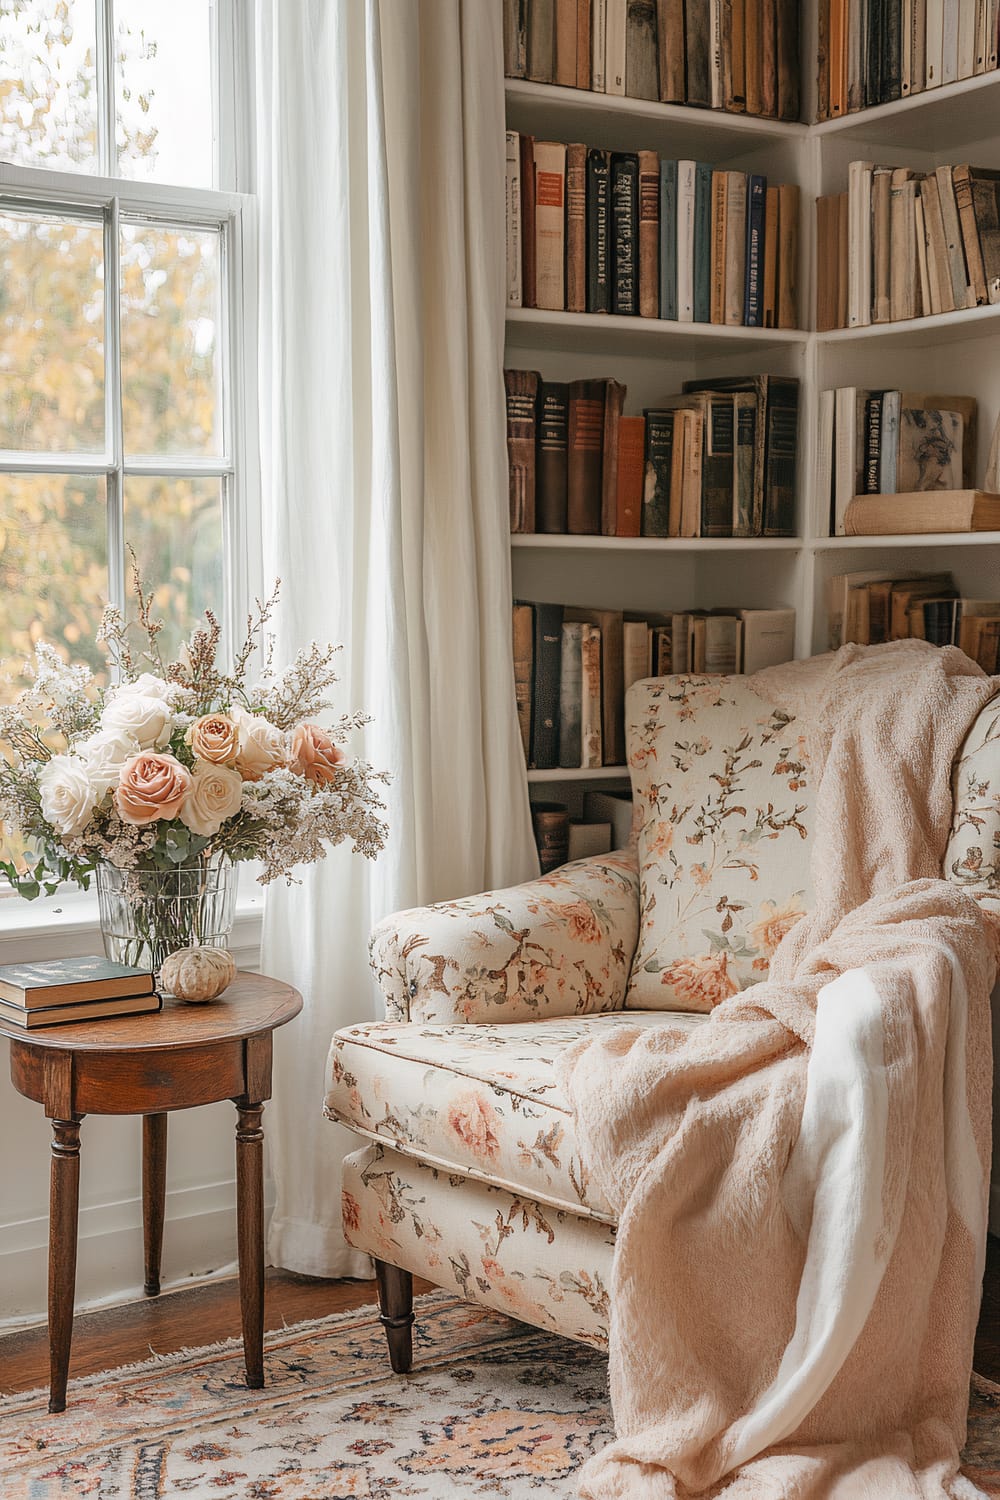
<point x="58" y="990"/>
<point x="889" y="49"/>
<point x="736" y="55"/>
<point x="606" y="824"/>
<point x="573" y="667"/>
<point x="872" y="607"/>
<point x="903" y="244"/>
<point x="717" y="460"/>
<point x="625" y="232"/>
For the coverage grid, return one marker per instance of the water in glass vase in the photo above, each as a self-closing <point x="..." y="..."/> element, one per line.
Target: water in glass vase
<point x="148" y="914"/>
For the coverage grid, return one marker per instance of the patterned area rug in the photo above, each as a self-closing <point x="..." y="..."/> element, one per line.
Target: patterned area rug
<point x="494" y="1409"/>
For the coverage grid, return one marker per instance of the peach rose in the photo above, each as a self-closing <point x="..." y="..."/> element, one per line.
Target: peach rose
<point x="262" y="745"/>
<point x="581" y="923"/>
<point x="704" y="981"/>
<point x="214" y="737"/>
<point x="214" y="795"/>
<point x="151" y="786"/>
<point x="774" y="922"/>
<point x="313" y="754"/>
<point x="473" y="1120"/>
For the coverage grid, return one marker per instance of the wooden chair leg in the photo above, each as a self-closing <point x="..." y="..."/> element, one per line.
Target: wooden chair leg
<point x="395" y="1298"/>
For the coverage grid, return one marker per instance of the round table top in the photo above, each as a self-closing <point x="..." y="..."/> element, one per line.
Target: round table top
<point x="251" y="1005"/>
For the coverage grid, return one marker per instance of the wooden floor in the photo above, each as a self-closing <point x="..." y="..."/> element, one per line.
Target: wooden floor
<point x="205" y="1314"/>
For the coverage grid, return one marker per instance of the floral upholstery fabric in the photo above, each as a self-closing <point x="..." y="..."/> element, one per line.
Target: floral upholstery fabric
<point x="480" y="1100"/>
<point x="721" y="783"/>
<point x="559" y="946"/>
<point x="972" y="858"/>
<point x="544" y="1266"/>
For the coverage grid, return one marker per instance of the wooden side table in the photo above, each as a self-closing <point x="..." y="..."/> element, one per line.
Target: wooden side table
<point x="148" y="1065"/>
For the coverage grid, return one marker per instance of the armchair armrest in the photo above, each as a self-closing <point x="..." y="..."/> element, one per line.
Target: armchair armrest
<point x="559" y="946"/>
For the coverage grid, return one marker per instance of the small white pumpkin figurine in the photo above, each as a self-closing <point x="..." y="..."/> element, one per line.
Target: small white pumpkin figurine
<point x="197" y="974"/>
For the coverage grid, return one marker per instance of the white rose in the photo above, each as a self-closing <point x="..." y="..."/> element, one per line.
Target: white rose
<point x="104" y="754"/>
<point x="67" y="794"/>
<point x="262" y="746"/>
<point x="147" y="686"/>
<point x="216" y="793"/>
<point x="148" y="720"/>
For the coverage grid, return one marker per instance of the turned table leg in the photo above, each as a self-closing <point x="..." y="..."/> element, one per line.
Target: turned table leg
<point x="64" y="1202"/>
<point x="250" y="1236"/>
<point x="154" y="1197"/>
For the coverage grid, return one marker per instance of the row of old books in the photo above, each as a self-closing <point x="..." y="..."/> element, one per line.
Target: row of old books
<point x="736" y="55"/>
<point x="573" y="667"/>
<point x="717" y="460"/>
<point x="876" y="606"/>
<point x="898" y="445"/>
<point x="627" y="232"/>
<point x="903" y="244"/>
<point x="606" y="824"/>
<point x="875" y="51"/>
<point x="54" y="991"/>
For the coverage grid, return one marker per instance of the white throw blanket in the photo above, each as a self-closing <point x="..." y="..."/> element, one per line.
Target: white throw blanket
<point x="802" y="1182"/>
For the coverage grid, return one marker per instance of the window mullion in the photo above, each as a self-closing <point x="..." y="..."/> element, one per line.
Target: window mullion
<point x="113" y="390"/>
<point x="107" y="150"/>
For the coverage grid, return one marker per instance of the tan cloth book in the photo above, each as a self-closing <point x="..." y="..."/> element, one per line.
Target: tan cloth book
<point x="925" y="512"/>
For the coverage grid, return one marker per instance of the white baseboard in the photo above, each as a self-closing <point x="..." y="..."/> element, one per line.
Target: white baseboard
<point x="199" y="1238"/>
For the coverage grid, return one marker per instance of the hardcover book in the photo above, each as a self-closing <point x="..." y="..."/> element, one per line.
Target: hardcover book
<point x="598" y="231"/>
<point x="547" y="670"/>
<point x="641" y="70"/>
<point x="523" y="629"/>
<point x="649" y="234"/>
<point x="585" y="444"/>
<point x="625" y="232"/>
<point x="551" y="458"/>
<point x="56" y="981"/>
<point x="30" y="1018"/>
<point x="521" y="388"/>
<point x="550" y="225"/>
<point x="576" y="228"/>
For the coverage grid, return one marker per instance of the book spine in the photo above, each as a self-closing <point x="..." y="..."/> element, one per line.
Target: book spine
<point x="970" y="234"/>
<point x="719" y="202"/>
<point x="934" y="44"/>
<point x="781" y="457"/>
<point x="702" y="252"/>
<point x="522" y="412"/>
<point x="824" y="459"/>
<point x="873" y="442"/>
<point x="685" y="241"/>
<point x="551" y="458"/>
<point x="631" y="470"/>
<point x="614" y="400"/>
<point x="540" y="50"/>
<point x="528" y="221"/>
<point x="961" y="291"/>
<point x="717" y="473"/>
<point x="625" y="233"/>
<point x="523" y="643"/>
<point x="571" y="695"/>
<point x="564" y="47"/>
<point x="658" y="468"/>
<point x="641" y="80"/>
<point x="789" y="65"/>
<point x="598" y="45"/>
<point x="745" y="418"/>
<point x="788" y="255"/>
<point x="550" y="225"/>
<point x="668" y="239"/>
<point x="738" y="61"/>
<point x="583" y="463"/>
<point x="715" y="67"/>
<point x="515" y="38"/>
<point x="860" y="248"/>
<point x="823" y="60"/>
<point x="881" y="259"/>
<point x="987" y="211"/>
<point x="906" y="29"/>
<point x="576" y="228"/>
<point x="698" y="48"/>
<point x="889" y="452"/>
<point x="548" y="667"/>
<point x="949" y="43"/>
<point x="583" y="43"/>
<point x="753" y="48"/>
<point x="671" y="48"/>
<point x="865" y="86"/>
<point x="591" y="735"/>
<point x="616" y="32"/>
<point x="769" y="59"/>
<point x="892" y="52"/>
<point x="771" y="258"/>
<point x="736" y="247"/>
<point x="513" y="218"/>
<point x="754" y="285"/>
<point x="649" y="234"/>
<point x="550" y="821"/>
<point x="598" y="231"/>
<point x="844" y="448"/>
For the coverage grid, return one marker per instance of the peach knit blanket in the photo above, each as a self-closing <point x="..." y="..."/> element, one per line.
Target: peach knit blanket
<point x="802" y="1182"/>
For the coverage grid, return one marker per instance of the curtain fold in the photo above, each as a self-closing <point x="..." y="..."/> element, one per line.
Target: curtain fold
<point x="380" y="145"/>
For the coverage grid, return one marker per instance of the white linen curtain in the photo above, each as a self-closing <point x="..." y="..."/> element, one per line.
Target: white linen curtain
<point x="380" y="164"/>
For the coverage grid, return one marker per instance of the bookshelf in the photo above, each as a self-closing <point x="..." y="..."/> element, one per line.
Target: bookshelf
<point x="947" y="352"/>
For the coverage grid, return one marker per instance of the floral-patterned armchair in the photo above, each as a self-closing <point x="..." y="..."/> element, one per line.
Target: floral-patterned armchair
<point x="471" y="1175"/>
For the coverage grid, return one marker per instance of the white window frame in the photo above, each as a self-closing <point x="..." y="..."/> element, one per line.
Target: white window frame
<point x="232" y="210"/>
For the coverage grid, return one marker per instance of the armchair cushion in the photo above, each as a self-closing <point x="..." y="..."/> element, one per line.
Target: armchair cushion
<point x="481" y="1101"/>
<point x="559" y="946"/>
<point x="972" y="858"/>
<point x="723" y="815"/>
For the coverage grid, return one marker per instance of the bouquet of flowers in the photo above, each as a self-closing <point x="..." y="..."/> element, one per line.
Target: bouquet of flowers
<point x="181" y="767"/>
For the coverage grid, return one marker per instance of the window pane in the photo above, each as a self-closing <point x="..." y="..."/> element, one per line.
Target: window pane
<point x="48" y="93"/>
<point x="51" y="334"/>
<point x="174" y="526"/>
<point x="53" y="568"/>
<point x="170" y="340"/>
<point x="163" y="91"/>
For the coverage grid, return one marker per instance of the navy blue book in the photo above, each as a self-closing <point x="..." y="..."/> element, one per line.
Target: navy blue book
<point x="702" y="242"/>
<point x="668" y="239"/>
<point x="753" y="291"/>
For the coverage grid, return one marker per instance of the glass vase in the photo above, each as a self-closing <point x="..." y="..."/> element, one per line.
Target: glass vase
<point x="148" y="914"/>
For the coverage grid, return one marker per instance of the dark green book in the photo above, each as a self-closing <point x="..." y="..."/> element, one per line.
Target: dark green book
<point x="656" y="482"/>
<point x="702" y="242"/>
<point x="717" y="467"/>
<point x="54" y="981"/>
<point x="668" y="239"/>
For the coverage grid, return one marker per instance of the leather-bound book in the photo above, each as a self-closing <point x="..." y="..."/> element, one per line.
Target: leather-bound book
<point x="576" y="228"/>
<point x="598" y="231"/>
<point x="631" y="472"/>
<point x="541" y="41"/>
<point x="550" y="821"/>
<point x="698" y="50"/>
<point x="641" y="80"/>
<point x="545" y="702"/>
<point x="583" y="467"/>
<point x="625" y="232"/>
<point x="734" y="36"/>
<point x="550" y="225"/>
<point x="515" y="16"/>
<point x="826" y="263"/>
<point x="522" y="416"/>
<point x="671" y="50"/>
<point x="551" y="457"/>
<point x="754" y="50"/>
<point x="528" y="221"/>
<point x="564" y="44"/>
<point x="657" y="470"/>
<point x="614" y="400"/>
<point x="789" y="63"/>
<point x="583" y="44"/>
<point x="523" y="642"/>
<point x="649" y="234"/>
<point x="823" y="60"/>
<point x="769" y="59"/>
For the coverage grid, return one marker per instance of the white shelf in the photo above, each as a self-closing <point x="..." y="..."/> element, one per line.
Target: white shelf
<point x="610" y="333"/>
<point x="909" y="539"/>
<point x="580" y="773"/>
<point x="937" y="328"/>
<point x="939" y="120"/>
<point x="543" y="541"/>
<point x="543" y="109"/>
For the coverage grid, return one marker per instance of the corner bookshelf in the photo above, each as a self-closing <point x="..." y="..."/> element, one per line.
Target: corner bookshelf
<point x="952" y="351"/>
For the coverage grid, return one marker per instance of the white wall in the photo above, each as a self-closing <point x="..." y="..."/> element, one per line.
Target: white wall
<point x="200" y="1232"/>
